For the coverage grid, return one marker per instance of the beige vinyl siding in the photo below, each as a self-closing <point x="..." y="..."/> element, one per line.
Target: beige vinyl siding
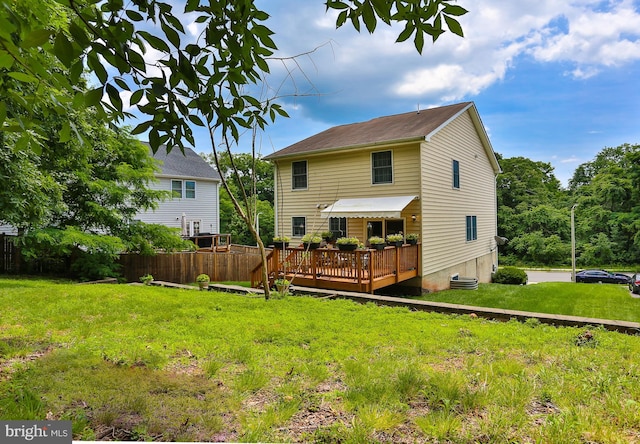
<point x="336" y="176"/>
<point x="445" y="208"/>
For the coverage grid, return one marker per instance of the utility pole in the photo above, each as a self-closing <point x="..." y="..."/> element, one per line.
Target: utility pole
<point x="573" y="243"/>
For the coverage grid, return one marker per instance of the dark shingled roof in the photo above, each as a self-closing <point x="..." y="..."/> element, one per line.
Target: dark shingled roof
<point x="188" y="164"/>
<point x="398" y="127"/>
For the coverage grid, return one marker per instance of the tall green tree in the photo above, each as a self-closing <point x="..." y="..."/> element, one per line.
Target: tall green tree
<point x="205" y="83"/>
<point x="533" y="213"/>
<point x="607" y="190"/>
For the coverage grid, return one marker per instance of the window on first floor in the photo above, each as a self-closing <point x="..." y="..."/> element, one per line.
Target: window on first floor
<point x="472" y="228"/>
<point x="298" y="226"/>
<point x="338" y="226"/>
<point x="381" y="167"/>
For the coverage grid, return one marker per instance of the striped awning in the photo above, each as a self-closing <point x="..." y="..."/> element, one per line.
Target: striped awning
<point x="370" y="207"/>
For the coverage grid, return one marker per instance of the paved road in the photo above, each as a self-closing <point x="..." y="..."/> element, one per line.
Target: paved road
<point x="548" y="276"/>
<point x="556" y="276"/>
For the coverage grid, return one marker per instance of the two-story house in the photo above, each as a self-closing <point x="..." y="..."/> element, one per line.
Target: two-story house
<point x="431" y="172"/>
<point x="194" y="184"/>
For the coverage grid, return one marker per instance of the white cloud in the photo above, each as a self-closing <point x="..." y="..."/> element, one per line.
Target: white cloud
<point x="589" y="35"/>
<point x="572" y="159"/>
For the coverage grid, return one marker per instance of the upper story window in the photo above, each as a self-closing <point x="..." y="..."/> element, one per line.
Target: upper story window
<point x="176" y="189"/>
<point x="381" y="167"/>
<point x="299" y="175"/>
<point x="472" y="228"/>
<point x="183" y="188"/>
<point x="298" y="226"/>
<point x="190" y="189"/>
<point x="456" y="174"/>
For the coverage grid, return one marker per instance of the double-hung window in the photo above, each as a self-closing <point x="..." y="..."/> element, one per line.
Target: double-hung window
<point x="299" y="175"/>
<point x="183" y="189"/>
<point x="298" y="226"/>
<point x="472" y="228"/>
<point x="189" y="189"/>
<point x="381" y="167"/>
<point x="338" y="226"/>
<point x="176" y="189"/>
<point x="456" y="174"/>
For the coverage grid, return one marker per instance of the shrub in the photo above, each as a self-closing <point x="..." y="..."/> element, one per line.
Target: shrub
<point x="510" y="275"/>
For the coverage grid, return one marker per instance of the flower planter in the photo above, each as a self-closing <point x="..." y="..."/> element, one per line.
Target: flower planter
<point x="347" y="247"/>
<point x="395" y="244"/>
<point x="203" y="285"/>
<point x="412" y="241"/>
<point x="312" y="246"/>
<point x="281" y="245"/>
<point x="378" y="246"/>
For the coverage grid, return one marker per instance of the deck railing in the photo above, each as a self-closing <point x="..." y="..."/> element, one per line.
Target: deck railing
<point x="359" y="270"/>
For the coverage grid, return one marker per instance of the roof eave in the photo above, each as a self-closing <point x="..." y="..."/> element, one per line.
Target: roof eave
<point x="361" y="146"/>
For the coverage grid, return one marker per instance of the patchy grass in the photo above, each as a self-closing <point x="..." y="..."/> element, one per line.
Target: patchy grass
<point x="148" y="363"/>
<point x="603" y="301"/>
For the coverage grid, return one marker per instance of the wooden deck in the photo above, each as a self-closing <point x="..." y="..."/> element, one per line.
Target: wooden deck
<point x="360" y="270"/>
<point x="207" y="243"/>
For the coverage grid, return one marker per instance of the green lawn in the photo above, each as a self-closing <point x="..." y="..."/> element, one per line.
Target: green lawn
<point x="161" y="364"/>
<point x="603" y="301"/>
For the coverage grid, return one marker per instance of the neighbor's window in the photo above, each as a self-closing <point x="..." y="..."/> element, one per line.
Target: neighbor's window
<point x="338" y="225"/>
<point x="381" y="167"/>
<point x="298" y="226"/>
<point x="190" y="189"/>
<point x="472" y="228"/>
<point x="456" y="174"/>
<point x="176" y="189"/>
<point x="299" y="175"/>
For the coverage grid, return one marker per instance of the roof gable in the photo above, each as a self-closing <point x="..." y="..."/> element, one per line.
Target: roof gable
<point x="396" y="128"/>
<point x="189" y="164"/>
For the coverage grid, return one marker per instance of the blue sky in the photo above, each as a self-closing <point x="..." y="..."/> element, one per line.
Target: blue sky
<point x="553" y="81"/>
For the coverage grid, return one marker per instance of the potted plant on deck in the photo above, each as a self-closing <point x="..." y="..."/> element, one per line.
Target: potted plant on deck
<point x="348" y="243"/>
<point x="311" y="242"/>
<point x="412" y="238"/>
<point x="328" y="236"/>
<point x="395" y="240"/>
<point x="203" y="281"/>
<point x="281" y="242"/>
<point x="377" y="243"/>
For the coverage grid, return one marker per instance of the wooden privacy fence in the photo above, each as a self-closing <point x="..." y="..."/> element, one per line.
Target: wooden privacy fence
<point x="183" y="267"/>
<point x="8" y="254"/>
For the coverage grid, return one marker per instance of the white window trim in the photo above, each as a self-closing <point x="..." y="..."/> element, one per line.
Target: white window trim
<point x="393" y="174"/>
<point x="292" y="226"/>
<point x="183" y="189"/>
<point x="306" y="174"/>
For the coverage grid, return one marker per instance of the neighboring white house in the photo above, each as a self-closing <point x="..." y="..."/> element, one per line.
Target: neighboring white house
<point x="195" y="205"/>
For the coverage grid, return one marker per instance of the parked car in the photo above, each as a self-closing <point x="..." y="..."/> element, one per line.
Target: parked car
<point x="634" y="283"/>
<point x="601" y="276"/>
